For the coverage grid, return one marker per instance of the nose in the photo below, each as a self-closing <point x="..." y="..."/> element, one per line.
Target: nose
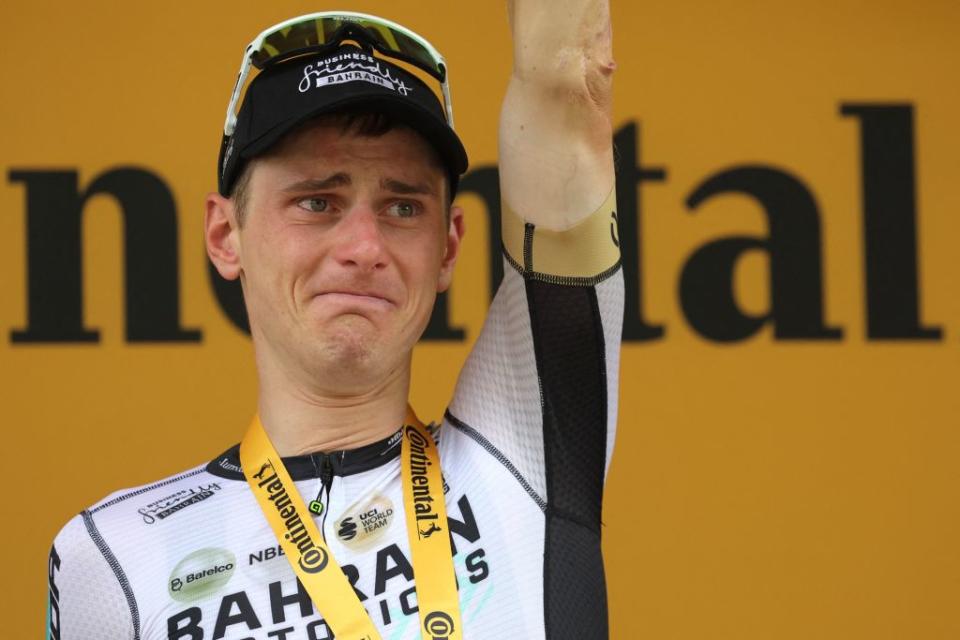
<point x="360" y="241"/>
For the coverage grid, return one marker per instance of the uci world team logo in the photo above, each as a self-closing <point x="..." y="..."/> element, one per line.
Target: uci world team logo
<point x="366" y="521"/>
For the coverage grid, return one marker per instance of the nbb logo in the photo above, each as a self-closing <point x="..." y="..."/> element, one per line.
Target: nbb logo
<point x="55" y="202"/>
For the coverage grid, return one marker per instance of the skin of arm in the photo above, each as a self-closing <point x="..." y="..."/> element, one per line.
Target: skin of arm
<point x="556" y="156"/>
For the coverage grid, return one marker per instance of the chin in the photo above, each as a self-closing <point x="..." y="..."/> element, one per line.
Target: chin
<point x="348" y="355"/>
<point x="352" y="345"/>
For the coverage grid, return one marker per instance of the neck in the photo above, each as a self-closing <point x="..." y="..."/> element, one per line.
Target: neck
<point x="302" y="419"/>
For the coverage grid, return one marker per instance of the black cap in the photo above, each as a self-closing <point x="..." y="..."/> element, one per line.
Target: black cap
<point x="290" y="93"/>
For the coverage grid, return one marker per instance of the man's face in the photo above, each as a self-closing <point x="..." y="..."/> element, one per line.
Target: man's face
<point x="344" y="246"/>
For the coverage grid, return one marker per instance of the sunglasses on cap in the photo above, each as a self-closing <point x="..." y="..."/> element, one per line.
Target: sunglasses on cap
<point x="316" y="32"/>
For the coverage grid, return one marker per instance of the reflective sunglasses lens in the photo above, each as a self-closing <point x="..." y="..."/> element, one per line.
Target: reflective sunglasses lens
<point x="317" y="32"/>
<point x="412" y="49"/>
<point x="302" y="36"/>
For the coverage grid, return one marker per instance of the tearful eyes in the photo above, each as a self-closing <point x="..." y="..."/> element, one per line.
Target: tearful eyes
<point x="403" y="209"/>
<point x="398" y="209"/>
<point x="317" y="205"/>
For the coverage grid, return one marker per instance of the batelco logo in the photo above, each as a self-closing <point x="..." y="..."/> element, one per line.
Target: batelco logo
<point x="200" y="574"/>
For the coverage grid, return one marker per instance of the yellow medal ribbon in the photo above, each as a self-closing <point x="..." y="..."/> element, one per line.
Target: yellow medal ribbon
<point x="302" y="542"/>
<point x="316" y="567"/>
<point x="426" y="509"/>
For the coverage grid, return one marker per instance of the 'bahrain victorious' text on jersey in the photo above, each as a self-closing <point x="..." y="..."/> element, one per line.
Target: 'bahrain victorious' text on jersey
<point x="524" y="448"/>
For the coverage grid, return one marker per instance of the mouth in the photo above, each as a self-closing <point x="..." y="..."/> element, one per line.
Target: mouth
<point x="356" y="299"/>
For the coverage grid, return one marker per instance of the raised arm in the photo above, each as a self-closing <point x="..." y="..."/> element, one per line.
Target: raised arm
<point x="538" y="393"/>
<point x="556" y="158"/>
<point x="541" y="382"/>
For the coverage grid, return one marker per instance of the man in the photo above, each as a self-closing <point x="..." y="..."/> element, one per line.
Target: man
<point x="336" y="178"/>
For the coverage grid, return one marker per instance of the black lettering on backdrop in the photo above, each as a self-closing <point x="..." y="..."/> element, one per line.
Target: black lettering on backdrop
<point x="54" y="215"/>
<point x="793" y="246"/>
<point x="630" y="176"/>
<point x="54" y="256"/>
<point x="485" y="183"/>
<point x="438" y="326"/>
<point x="890" y="222"/>
<point x="229" y="295"/>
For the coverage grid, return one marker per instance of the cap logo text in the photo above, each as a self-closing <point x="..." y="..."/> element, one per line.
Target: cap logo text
<point x="350" y="67"/>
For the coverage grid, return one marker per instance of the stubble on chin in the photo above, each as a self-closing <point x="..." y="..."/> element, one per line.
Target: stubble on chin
<point x="349" y="347"/>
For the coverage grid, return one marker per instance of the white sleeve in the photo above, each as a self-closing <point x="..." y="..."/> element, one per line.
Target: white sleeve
<point x="89" y="598"/>
<point x="539" y="389"/>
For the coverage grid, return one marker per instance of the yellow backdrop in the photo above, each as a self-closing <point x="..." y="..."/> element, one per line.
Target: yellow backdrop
<point x="787" y="459"/>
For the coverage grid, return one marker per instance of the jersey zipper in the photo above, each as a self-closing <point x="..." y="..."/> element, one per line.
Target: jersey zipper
<point x="323" y="466"/>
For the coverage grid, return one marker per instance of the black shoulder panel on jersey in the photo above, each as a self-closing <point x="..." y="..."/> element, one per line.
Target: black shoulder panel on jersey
<point x="117" y="570"/>
<point x="571" y="363"/>
<point x="227" y="465"/>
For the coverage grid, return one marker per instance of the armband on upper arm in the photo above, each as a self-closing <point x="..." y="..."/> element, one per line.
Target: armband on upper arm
<point x="583" y="255"/>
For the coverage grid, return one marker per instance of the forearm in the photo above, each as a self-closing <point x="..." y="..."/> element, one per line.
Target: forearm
<point x="555" y="129"/>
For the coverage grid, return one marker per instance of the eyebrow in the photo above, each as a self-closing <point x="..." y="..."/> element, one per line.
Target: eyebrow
<point x="314" y="184"/>
<point x="343" y="180"/>
<point x="404" y="188"/>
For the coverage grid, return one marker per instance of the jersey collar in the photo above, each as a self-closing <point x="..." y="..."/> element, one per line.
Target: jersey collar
<point x="342" y="463"/>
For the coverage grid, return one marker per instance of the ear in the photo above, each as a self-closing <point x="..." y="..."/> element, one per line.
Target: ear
<point x="222" y="235"/>
<point x="454" y="236"/>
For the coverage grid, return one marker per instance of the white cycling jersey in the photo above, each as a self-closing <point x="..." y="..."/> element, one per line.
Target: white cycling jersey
<point x="524" y="448"/>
